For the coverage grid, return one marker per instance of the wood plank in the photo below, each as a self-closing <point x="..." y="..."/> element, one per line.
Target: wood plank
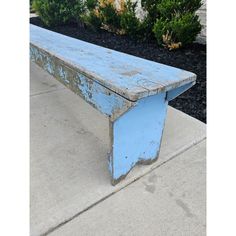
<point x="127" y="75"/>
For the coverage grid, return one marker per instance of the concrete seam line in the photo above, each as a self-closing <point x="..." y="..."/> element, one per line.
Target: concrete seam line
<point x="46" y="92"/>
<point x="52" y="229"/>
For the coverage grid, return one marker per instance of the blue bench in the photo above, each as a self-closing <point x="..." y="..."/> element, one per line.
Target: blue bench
<point x="132" y="92"/>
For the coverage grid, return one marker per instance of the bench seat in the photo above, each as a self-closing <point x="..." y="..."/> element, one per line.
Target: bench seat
<point x="131" y="91"/>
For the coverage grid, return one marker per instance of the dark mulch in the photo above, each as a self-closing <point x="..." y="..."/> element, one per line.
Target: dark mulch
<point x="191" y="58"/>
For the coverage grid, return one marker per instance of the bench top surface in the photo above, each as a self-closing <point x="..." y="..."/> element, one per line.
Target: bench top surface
<point x="131" y="77"/>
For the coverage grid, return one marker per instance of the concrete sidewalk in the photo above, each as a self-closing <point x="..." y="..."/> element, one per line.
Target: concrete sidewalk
<point x="71" y="192"/>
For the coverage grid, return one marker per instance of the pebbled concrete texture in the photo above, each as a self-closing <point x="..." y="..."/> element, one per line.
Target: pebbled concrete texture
<point x="69" y="145"/>
<point x="168" y="201"/>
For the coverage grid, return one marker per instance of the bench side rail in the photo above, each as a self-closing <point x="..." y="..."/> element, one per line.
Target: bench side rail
<point x="129" y="76"/>
<point x="101" y="98"/>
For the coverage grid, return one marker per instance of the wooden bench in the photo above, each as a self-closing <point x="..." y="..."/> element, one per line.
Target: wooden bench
<point x="131" y="91"/>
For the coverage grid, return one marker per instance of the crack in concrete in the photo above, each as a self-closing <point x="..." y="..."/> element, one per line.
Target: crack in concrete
<point x="46" y="92"/>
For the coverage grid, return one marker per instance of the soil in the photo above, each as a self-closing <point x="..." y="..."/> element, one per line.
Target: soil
<point x="191" y="58"/>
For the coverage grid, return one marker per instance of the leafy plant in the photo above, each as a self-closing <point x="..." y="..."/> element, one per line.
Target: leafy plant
<point x="150" y="7"/>
<point x="77" y="10"/>
<point x="91" y="15"/>
<point x="129" y="22"/>
<point x="173" y="23"/>
<point x="172" y="8"/>
<point x="109" y="15"/>
<point x="177" y="23"/>
<point x="30" y="5"/>
<point x="57" y="12"/>
<point x="91" y="4"/>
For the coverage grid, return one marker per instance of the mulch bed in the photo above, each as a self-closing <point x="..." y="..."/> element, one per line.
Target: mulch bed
<point x="191" y="58"/>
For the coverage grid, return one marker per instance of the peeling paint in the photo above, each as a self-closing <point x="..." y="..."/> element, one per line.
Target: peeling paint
<point x="96" y="62"/>
<point x="131" y="91"/>
<point x="103" y="99"/>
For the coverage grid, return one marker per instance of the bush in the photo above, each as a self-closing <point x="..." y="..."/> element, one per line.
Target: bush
<point x="177" y="23"/>
<point x="92" y="20"/>
<point x="57" y="12"/>
<point x="150" y="7"/>
<point x="101" y="14"/>
<point x="122" y="20"/>
<point x="172" y="22"/>
<point x="104" y="14"/>
<point x="91" y="16"/>
<point x="91" y="4"/>
<point x="30" y="5"/>
<point x="129" y="22"/>
<point x="109" y="15"/>
<point x="178" y="31"/>
<point x="78" y="9"/>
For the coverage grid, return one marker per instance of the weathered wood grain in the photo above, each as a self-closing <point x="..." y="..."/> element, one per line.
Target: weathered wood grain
<point x="131" y="77"/>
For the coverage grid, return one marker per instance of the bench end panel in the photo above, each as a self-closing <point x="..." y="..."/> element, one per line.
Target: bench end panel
<point x="136" y="136"/>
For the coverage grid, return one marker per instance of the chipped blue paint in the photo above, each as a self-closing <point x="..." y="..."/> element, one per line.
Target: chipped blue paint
<point x="131" y="91"/>
<point x="129" y="76"/>
<point x="46" y="61"/>
<point x="106" y="101"/>
<point x="137" y="135"/>
<point x="63" y="75"/>
<point x="176" y="92"/>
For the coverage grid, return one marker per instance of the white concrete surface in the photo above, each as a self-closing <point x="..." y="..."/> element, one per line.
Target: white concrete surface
<point x="69" y="143"/>
<point x="171" y="200"/>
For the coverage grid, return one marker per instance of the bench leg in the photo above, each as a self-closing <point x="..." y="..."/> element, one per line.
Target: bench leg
<point x="136" y="135"/>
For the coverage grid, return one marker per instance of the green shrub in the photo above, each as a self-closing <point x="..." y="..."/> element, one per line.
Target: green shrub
<point x="57" y="12"/>
<point x="78" y="9"/>
<point x="109" y="16"/>
<point x="177" y="23"/>
<point x="101" y="14"/>
<point x="120" y="21"/>
<point x="51" y="12"/>
<point x="30" y="5"/>
<point x="92" y="20"/>
<point x="150" y="7"/>
<point x="171" y="8"/>
<point x="172" y="22"/>
<point x="90" y="17"/>
<point x="178" y="31"/>
<point x="91" y="4"/>
<point x="104" y="14"/>
<point x="129" y="22"/>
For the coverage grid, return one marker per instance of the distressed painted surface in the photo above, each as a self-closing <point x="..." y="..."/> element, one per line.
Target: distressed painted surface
<point x="176" y="92"/>
<point x="132" y="91"/>
<point x="129" y="76"/>
<point x="103" y="99"/>
<point x="137" y="134"/>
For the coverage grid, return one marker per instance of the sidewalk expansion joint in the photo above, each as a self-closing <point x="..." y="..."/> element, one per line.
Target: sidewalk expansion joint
<point x="46" y="92"/>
